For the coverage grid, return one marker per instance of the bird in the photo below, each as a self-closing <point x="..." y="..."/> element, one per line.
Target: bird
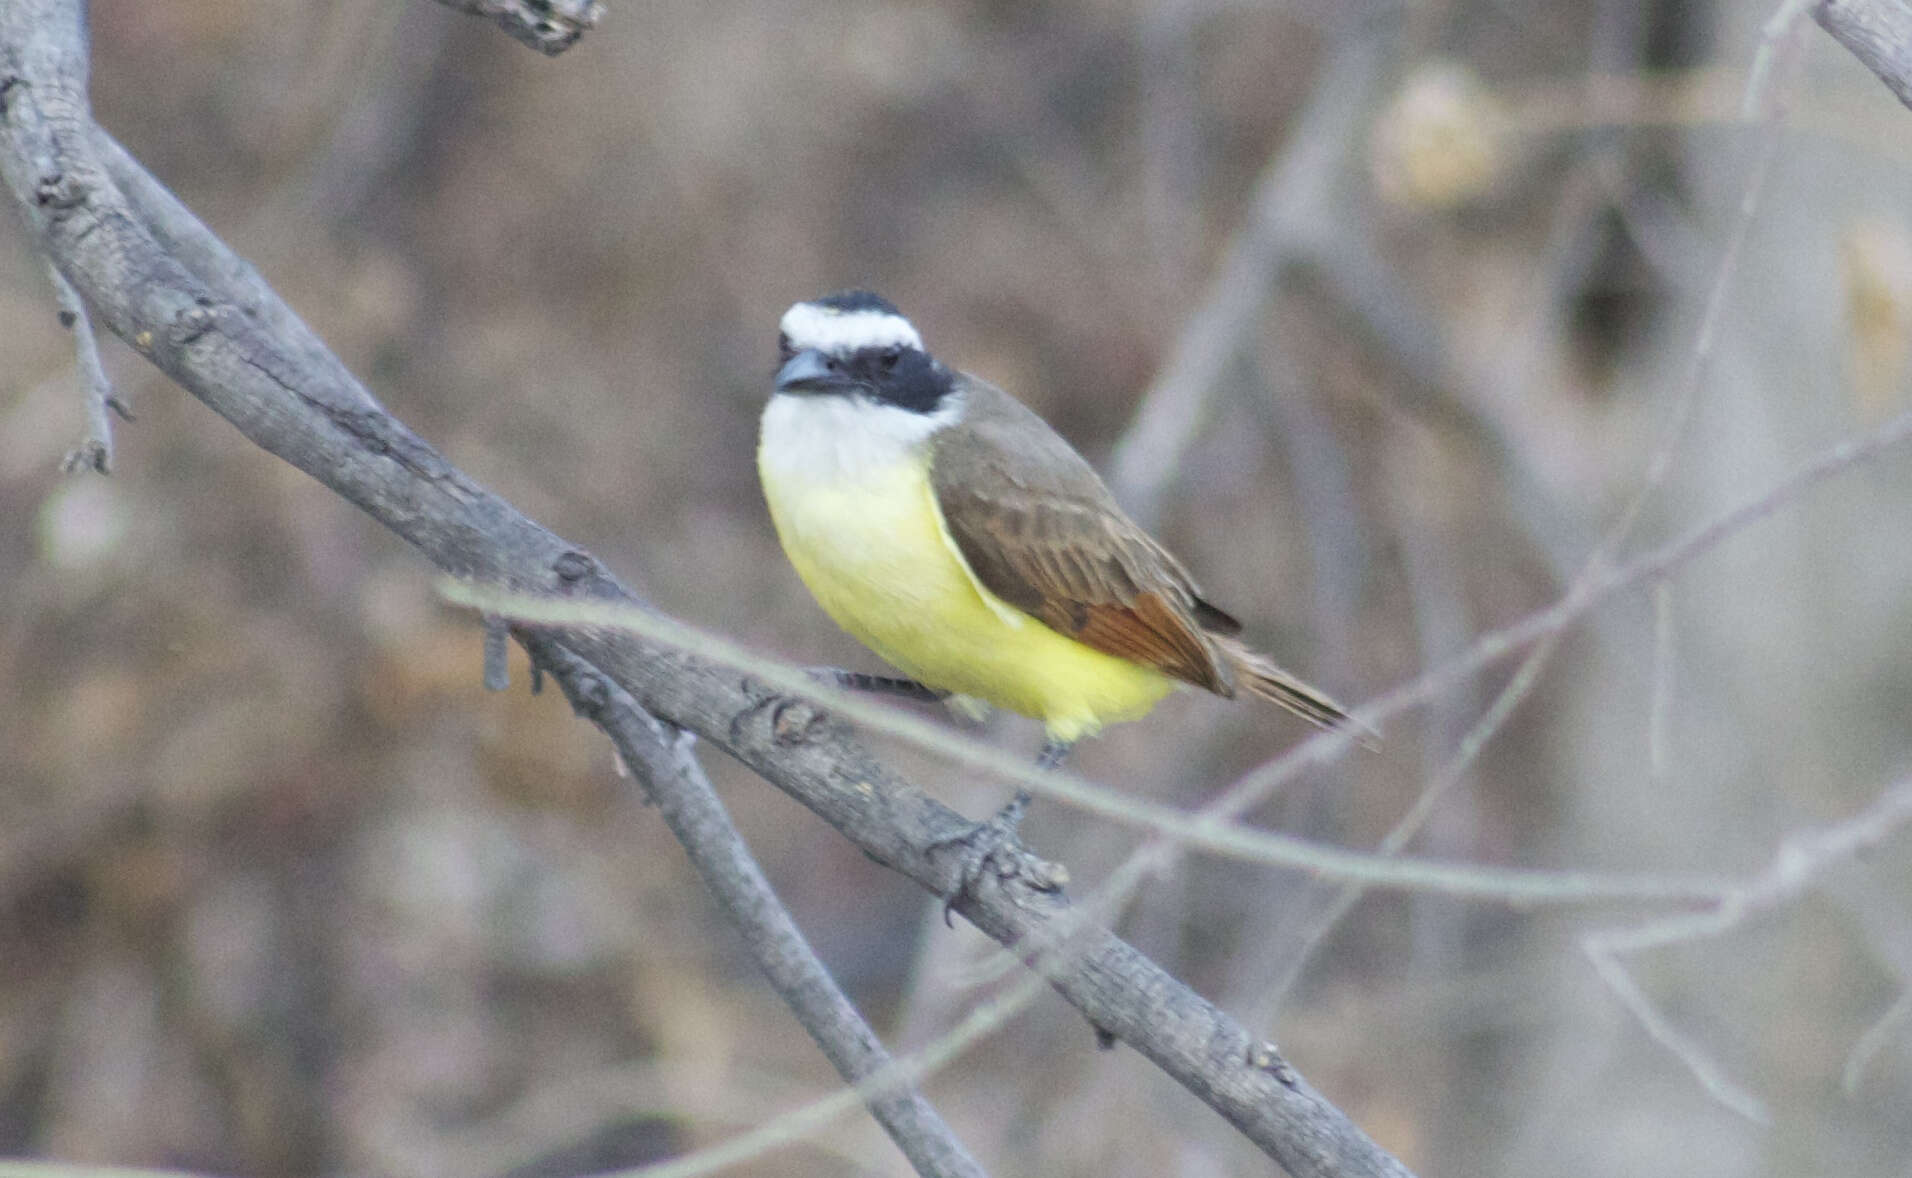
<point x="952" y="531"/>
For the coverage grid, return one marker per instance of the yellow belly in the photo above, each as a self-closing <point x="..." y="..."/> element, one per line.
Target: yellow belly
<point x="877" y="557"/>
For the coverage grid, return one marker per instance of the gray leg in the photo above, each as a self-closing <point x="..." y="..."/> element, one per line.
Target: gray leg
<point x="986" y="838"/>
<point x="1054" y="753"/>
<point x="879" y="684"/>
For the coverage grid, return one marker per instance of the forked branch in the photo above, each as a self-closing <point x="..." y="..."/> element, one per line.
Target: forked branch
<point x="203" y="318"/>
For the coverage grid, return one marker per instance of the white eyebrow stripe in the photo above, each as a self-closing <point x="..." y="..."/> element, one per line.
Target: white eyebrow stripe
<point x="810" y="326"/>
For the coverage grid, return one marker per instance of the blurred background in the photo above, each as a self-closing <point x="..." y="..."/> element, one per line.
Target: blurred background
<point x="283" y="891"/>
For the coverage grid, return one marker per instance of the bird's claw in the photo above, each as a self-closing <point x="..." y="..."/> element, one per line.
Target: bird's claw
<point x="994" y="845"/>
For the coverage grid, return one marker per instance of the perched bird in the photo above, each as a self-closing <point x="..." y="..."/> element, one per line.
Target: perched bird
<point x="954" y="533"/>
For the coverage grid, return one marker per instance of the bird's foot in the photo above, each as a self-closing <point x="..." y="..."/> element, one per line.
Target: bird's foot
<point x="1054" y="753"/>
<point x="878" y="684"/>
<point x="986" y="846"/>
<point x="995" y="845"/>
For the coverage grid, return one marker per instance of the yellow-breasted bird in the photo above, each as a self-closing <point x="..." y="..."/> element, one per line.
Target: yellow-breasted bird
<point x="951" y="530"/>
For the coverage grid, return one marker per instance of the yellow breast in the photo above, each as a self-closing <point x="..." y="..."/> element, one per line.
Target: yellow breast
<point x="864" y="533"/>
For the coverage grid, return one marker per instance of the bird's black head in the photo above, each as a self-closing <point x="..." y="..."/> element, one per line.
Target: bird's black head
<point x="856" y="343"/>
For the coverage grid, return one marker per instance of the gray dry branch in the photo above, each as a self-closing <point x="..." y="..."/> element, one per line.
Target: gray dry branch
<point x="1298" y="223"/>
<point x="1878" y="33"/>
<point x="204" y="319"/>
<point x="95" y="451"/>
<point x="133" y="198"/>
<point x="675" y="783"/>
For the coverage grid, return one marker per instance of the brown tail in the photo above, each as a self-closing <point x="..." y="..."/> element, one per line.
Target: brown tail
<point x="1259" y="674"/>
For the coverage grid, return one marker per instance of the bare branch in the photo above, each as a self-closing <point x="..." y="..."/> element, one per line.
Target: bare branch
<point x="497" y="648"/>
<point x="549" y="26"/>
<point x="1410" y="823"/>
<point x="1293" y="186"/>
<point x="1878" y="33"/>
<point x="1711" y="1075"/>
<point x="1801" y="859"/>
<point x="805" y="1121"/>
<point x="1659" y="724"/>
<point x="1686" y="397"/>
<point x="1210" y="829"/>
<point x="192" y="323"/>
<point x="1297" y="224"/>
<point x="181" y="235"/>
<point x="1492" y="647"/>
<point x="95" y="451"/>
<point x="1870" y="1044"/>
<point x="1205" y="831"/>
<point x="675" y="783"/>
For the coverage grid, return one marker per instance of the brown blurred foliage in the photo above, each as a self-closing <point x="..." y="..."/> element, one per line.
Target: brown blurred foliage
<point x="284" y="891"/>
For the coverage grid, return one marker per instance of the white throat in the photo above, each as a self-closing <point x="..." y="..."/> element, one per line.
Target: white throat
<point x="839" y="440"/>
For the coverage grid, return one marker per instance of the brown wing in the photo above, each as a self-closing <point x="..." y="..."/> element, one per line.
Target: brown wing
<point x="1040" y="531"/>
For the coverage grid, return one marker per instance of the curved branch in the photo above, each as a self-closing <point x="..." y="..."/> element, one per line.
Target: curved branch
<point x="219" y="342"/>
<point x="1878" y="33"/>
<point x="675" y="783"/>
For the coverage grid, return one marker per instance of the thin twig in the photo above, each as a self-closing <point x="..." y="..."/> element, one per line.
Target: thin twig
<point x="673" y="780"/>
<point x="1496" y="645"/>
<point x="1801" y="858"/>
<point x="95" y="451"/>
<point x="1204" y="830"/>
<point x="1403" y="831"/>
<point x="1699" y="363"/>
<point x="497" y="652"/>
<point x="227" y="343"/>
<point x="1685" y="403"/>
<point x="1659" y="721"/>
<point x="1254" y="789"/>
<point x="1298" y="221"/>
<point x="1710" y="1074"/>
<point x="1547" y="625"/>
<point x="1210" y="829"/>
<point x="803" y="1122"/>
<point x="1757" y="101"/>
<point x="1874" y="1041"/>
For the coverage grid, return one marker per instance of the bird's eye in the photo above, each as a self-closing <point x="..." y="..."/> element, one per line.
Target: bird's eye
<point x="890" y="357"/>
<point x="784" y="350"/>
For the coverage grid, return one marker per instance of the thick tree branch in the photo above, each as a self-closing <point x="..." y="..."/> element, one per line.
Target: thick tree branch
<point x="1878" y="33"/>
<point x="675" y="783"/>
<point x="216" y="339"/>
<point x="180" y="234"/>
<point x="549" y="26"/>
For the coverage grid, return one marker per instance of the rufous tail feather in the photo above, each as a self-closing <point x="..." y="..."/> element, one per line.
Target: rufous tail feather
<point x="1259" y="675"/>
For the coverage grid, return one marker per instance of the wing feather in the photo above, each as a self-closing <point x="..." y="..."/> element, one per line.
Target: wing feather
<point x="1040" y="531"/>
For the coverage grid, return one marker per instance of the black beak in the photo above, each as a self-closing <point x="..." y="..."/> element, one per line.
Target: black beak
<point x="809" y="371"/>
